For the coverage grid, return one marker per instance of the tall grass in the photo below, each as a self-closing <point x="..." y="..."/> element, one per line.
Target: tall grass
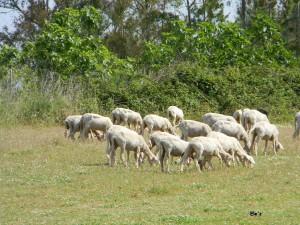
<point x="26" y="97"/>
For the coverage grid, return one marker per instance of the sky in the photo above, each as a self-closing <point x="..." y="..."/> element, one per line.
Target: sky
<point x="7" y="16"/>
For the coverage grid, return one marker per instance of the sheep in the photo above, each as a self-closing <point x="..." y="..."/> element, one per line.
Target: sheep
<point x="202" y="149"/>
<point x="156" y="136"/>
<point x="297" y="125"/>
<point x="129" y="140"/>
<point x="175" y="115"/>
<point x="211" y="118"/>
<point x="233" y="129"/>
<point x="117" y="115"/>
<point x="83" y="120"/>
<point x="232" y="146"/>
<point x="134" y="119"/>
<point x="252" y="116"/>
<point x="155" y="122"/>
<point x="170" y="145"/>
<point x="127" y="117"/>
<point x="192" y="128"/>
<point x="268" y="132"/>
<point x="72" y="124"/>
<point x="97" y="124"/>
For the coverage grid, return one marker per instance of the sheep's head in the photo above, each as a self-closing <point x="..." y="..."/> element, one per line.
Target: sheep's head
<point x="250" y="160"/>
<point x="279" y="146"/>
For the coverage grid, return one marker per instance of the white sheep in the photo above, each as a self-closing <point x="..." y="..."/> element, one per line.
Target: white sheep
<point x="233" y="129"/>
<point x="192" y="128"/>
<point x="232" y="146"/>
<point x="127" y="117"/>
<point x="175" y="115"/>
<point x="297" y="125"/>
<point x="155" y="122"/>
<point x="97" y="124"/>
<point x="211" y="118"/>
<point x="72" y="125"/>
<point x="129" y="140"/>
<point x="202" y="149"/>
<point x="252" y="116"/>
<point x="169" y="146"/>
<point x="265" y="131"/>
<point x="83" y="120"/>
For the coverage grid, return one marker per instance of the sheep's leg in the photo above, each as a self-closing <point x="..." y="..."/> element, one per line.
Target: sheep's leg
<point x="137" y="157"/>
<point x="161" y="156"/>
<point x="166" y="159"/>
<point x="274" y="146"/>
<point x="112" y="158"/>
<point x="196" y="159"/>
<point x="266" y="146"/>
<point x="128" y="157"/>
<point x="122" y="155"/>
<point x="219" y="157"/>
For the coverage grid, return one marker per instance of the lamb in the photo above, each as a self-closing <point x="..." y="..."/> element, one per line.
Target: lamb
<point x="202" y="149"/>
<point x="268" y="132"/>
<point x="252" y="116"/>
<point x="83" y="120"/>
<point x="129" y="140"/>
<point x="232" y="146"/>
<point x="233" y="129"/>
<point x="97" y="124"/>
<point x="297" y="125"/>
<point x="170" y="145"/>
<point x="72" y="125"/>
<point x="175" y="115"/>
<point x="155" y="122"/>
<point x="211" y="118"/>
<point x="192" y="128"/>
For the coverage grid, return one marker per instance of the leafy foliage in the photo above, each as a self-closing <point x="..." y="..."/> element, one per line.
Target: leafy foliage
<point x="219" y="45"/>
<point x="70" y="45"/>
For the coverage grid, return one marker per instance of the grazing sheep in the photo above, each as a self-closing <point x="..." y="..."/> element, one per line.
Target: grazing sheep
<point x="170" y="145"/>
<point x="297" y="125"/>
<point x="72" y="125"/>
<point x="129" y="140"/>
<point x="97" y="124"/>
<point x="175" y="115"/>
<point x="156" y="136"/>
<point x="155" y="122"/>
<point x="268" y="132"/>
<point x="233" y="129"/>
<point x="134" y="119"/>
<point x="127" y="117"/>
<point x="252" y="116"/>
<point x="83" y="120"/>
<point x="202" y="149"/>
<point x="211" y="118"/>
<point x="192" y="128"/>
<point x="232" y="146"/>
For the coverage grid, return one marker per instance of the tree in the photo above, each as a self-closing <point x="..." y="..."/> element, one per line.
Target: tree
<point x="32" y="15"/>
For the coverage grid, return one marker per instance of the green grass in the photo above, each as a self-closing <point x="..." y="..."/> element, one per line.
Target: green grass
<point x="45" y="179"/>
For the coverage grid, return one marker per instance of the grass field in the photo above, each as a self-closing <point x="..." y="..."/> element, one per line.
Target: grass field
<point x="45" y="179"/>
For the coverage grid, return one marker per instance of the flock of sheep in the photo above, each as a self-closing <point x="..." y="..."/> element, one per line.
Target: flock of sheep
<point x="217" y="135"/>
